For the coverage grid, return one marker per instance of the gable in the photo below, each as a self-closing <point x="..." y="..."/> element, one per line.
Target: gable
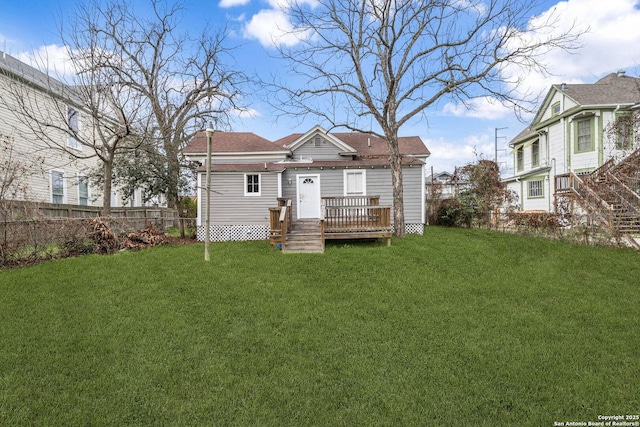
<point x="319" y="138"/>
<point x="318" y="147"/>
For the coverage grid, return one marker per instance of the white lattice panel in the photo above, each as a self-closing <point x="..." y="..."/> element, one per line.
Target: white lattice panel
<point x="414" y="228"/>
<point x="235" y="233"/>
<point x="411" y="228"/>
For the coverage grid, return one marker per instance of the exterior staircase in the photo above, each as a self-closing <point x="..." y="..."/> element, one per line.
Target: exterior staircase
<point x="305" y="236"/>
<point x="611" y="194"/>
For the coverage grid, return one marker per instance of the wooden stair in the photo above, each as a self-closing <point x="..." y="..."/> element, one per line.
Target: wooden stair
<point x="305" y="236"/>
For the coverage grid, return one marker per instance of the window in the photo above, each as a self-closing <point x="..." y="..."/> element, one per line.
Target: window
<point x="83" y="190"/>
<point x="355" y="183"/>
<point x="584" y="141"/>
<point x="535" y="188"/>
<point x="252" y="184"/>
<point x="535" y="154"/>
<point x="555" y="109"/>
<point x="520" y="159"/>
<point x="57" y="186"/>
<point x="624" y="132"/>
<point x="74" y="127"/>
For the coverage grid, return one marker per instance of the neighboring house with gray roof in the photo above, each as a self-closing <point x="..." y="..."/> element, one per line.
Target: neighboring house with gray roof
<point x="250" y="173"/>
<point x="567" y="135"/>
<point x="58" y="165"/>
<point x="52" y="176"/>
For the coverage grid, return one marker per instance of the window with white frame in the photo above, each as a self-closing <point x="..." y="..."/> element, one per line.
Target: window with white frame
<point x="584" y="134"/>
<point x="535" y="188"/>
<point x="355" y="182"/>
<point x="519" y="159"/>
<point x="74" y="127"/>
<point x="83" y="190"/>
<point x="535" y="154"/>
<point x="57" y="186"/>
<point x="252" y="184"/>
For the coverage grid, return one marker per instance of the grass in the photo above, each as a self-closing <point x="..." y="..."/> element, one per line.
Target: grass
<point x="459" y="327"/>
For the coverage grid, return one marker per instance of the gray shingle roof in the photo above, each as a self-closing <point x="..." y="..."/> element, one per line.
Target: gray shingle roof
<point x="369" y="145"/>
<point x="614" y="88"/>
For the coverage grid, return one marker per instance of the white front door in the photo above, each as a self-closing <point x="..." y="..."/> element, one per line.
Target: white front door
<point x="308" y="196"/>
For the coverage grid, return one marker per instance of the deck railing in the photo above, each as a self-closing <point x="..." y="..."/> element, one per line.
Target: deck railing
<point x="350" y="217"/>
<point x="280" y="222"/>
<point x="567" y="183"/>
<point x="351" y="201"/>
<point x="357" y="218"/>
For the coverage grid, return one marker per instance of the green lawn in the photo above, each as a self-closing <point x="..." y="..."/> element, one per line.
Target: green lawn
<point x="459" y="327"/>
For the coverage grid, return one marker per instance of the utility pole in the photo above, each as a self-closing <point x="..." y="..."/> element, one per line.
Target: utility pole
<point x="207" y="222"/>
<point x="496" y="142"/>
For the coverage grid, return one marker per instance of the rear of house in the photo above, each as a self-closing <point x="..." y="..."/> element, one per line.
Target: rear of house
<point x="250" y="174"/>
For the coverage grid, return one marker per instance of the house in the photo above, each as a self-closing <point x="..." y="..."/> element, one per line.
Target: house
<point x="54" y="173"/>
<point x="446" y="183"/>
<point x="568" y="138"/>
<point x="250" y="174"/>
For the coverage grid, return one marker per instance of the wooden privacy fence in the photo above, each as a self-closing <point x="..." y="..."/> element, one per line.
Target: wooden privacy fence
<point x="137" y="218"/>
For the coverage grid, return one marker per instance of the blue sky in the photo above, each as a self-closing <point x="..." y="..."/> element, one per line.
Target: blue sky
<point x="451" y="132"/>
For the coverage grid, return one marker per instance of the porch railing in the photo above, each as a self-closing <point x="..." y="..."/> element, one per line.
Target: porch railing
<point x="280" y="222"/>
<point x="351" y="201"/>
<point x="353" y="214"/>
<point x="350" y="217"/>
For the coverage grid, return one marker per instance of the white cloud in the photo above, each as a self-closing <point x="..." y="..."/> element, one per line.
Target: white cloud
<point x="447" y="154"/>
<point x="273" y="27"/>
<point x="607" y="46"/>
<point x="51" y="59"/>
<point x="232" y="3"/>
<point x="480" y="108"/>
<point x="246" y="113"/>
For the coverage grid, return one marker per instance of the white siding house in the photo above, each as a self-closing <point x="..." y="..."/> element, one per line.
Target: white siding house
<point x="568" y="135"/>
<point x="54" y="176"/>
<point x="58" y="164"/>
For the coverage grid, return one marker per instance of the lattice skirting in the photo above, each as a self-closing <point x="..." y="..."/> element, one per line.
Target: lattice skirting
<point x="235" y="233"/>
<point x="414" y="228"/>
<point x="411" y="228"/>
<point x="238" y="233"/>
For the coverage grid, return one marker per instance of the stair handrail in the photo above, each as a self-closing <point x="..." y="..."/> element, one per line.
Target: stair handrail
<point x="285" y="221"/>
<point x="603" y="169"/>
<point x="590" y="197"/>
<point x="628" y="191"/>
<point x="323" y="211"/>
<point x="632" y="156"/>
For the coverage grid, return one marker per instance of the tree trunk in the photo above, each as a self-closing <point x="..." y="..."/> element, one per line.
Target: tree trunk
<point x="106" y="188"/>
<point x="173" y="175"/>
<point x="396" y="180"/>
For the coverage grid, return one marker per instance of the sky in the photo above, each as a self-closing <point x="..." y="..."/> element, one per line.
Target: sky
<point x="454" y="134"/>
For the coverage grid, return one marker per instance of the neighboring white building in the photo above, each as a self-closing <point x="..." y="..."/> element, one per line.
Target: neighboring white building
<point x="568" y="135"/>
<point x="449" y="184"/>
<point x="55" y="176"/>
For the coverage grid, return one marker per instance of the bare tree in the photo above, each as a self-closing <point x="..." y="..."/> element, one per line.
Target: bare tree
<point x="76" y="116"/>
<point x="16" y="170"/>
<point x="182" y="82"/>
<point x="388" y="61"/>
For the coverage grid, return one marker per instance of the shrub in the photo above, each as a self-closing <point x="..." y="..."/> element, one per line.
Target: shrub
<point x="453" y="213"/>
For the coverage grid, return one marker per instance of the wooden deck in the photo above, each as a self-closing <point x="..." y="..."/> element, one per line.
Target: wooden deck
<point x="351" y="217"/>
